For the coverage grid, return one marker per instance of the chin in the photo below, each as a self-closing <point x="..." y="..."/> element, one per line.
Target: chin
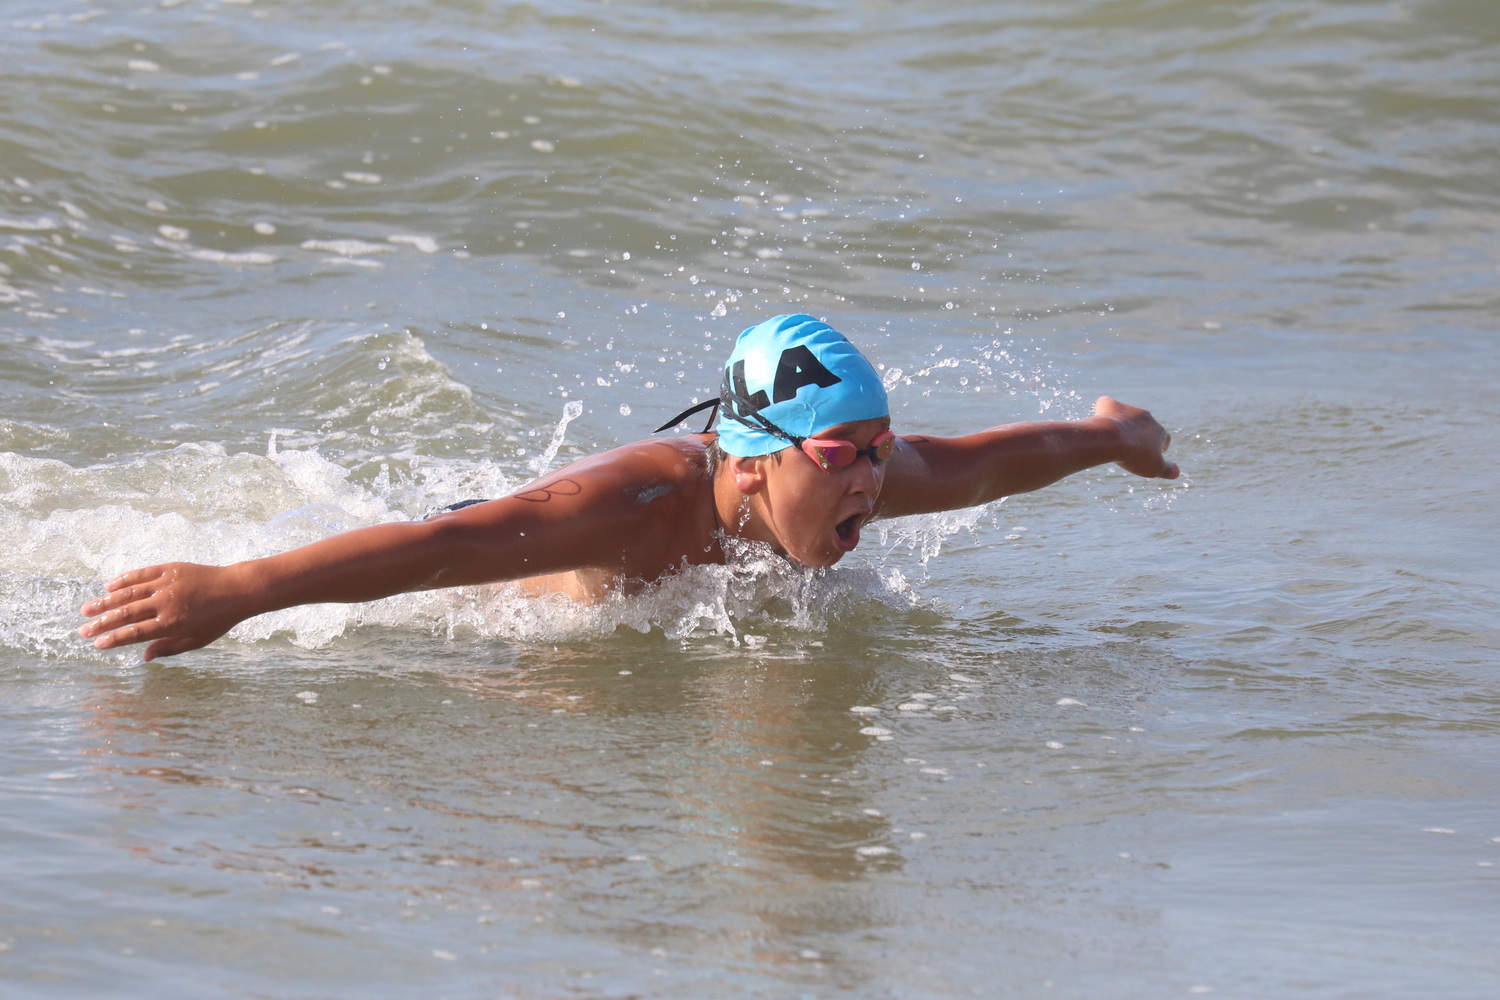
<point x="819" y="562"/>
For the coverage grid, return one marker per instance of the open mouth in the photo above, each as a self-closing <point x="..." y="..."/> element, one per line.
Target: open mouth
<point x="848" y="531"/>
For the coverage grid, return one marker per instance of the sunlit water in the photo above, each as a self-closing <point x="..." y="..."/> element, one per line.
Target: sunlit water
<point x="272" y="270"/>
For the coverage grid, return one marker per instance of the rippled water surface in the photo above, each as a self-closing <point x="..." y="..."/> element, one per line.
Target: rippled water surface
<point x="269" y="270"/>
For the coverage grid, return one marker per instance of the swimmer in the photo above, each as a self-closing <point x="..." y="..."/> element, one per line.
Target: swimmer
<point x="803" y="458"/>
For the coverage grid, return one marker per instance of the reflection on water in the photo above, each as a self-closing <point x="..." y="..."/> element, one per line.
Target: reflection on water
<point x="643" y="798"/>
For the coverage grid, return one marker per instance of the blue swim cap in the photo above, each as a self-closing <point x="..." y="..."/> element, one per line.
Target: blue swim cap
<point x="792" y="377"/>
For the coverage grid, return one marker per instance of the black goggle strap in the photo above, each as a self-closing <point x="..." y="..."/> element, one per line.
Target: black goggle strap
<point x="697" y="408"/>
<point x="742" y="410"/>
<point x="737" y="408"/>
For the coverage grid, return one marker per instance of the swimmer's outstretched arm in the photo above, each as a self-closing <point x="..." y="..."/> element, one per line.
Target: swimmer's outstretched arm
<point x="581" y="516"/>
<point x="930" y="474"/>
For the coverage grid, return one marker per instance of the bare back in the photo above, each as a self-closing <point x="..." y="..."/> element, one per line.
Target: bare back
<point x="634" y="514"/>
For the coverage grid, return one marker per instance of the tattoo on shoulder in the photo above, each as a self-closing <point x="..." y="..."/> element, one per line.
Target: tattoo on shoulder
<point x="654" y="490"/>
<point x="558" y="488"/>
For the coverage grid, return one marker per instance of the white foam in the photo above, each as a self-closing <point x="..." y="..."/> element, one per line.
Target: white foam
<point x="346" y="248"/>
<point x="68" y="529"/>
<point x="39" y="224"/>
<point x="227" y="257"/>
<point x="425" y="244"/>
<point x="572" y="410"/>
<point x="926" y="534"/>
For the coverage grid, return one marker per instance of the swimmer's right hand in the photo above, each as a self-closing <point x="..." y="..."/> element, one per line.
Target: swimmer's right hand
<point x="175" y="607"/>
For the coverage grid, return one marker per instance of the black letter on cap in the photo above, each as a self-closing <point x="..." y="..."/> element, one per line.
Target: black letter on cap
<point x="798" y="367"/>
<point x="756" y="402"/>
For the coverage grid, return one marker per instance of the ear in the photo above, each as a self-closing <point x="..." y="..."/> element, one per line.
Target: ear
<point x="749" y="474"/>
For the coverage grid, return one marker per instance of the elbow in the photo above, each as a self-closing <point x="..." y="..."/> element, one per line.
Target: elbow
<point x="462" y="552"/>
<point x="442" y="542"/>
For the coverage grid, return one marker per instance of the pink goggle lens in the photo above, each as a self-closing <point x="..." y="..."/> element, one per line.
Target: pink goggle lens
<point x="831" y="453"/>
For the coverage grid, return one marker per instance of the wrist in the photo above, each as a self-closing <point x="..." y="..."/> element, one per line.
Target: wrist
<point x="1106" y="439"/>
<point x="253" y="585"/>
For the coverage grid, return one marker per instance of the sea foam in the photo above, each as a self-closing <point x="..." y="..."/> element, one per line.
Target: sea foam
<point x="71" y="529"/>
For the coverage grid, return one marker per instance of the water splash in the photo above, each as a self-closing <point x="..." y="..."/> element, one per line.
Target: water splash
<point x="572" y="410"/>
<point x="70" y="529"/>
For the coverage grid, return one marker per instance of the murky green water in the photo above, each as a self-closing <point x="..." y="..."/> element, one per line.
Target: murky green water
<point x="269" y="270"/>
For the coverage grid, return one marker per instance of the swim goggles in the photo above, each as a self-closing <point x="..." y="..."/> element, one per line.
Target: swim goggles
<point x="832" y="453"/>
<point x="828" y="453"/>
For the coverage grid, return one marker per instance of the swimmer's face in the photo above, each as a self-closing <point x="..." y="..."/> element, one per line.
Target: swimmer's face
<point x="815" y="514"/>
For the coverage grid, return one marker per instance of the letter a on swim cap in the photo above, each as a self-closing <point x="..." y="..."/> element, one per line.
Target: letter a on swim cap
<point x="800" y="374"/>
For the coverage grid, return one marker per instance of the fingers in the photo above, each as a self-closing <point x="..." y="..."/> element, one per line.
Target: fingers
<point x="122" y="632"/>
<point x="124" y="589"/>
<point x="121" y="608"/>
<point x="121" y="618"/>
<point x="118" y="599"/>
<point x="134" y="577"/>
<point x="146" y="605"/>
<point x="149" y="632"/>
<point x="1146" y="435"/>
<point x="1169" y="470"/>
<point x="172" y="646"/>
<point x="130" y="625"/>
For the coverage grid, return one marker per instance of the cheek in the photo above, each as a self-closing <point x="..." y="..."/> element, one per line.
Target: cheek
<point x="817" y="496"/>
<point x="802" y="507"/>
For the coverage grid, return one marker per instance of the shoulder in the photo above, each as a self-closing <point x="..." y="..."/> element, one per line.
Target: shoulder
<point x="643" y="507"/>
<point x="656" y="473"/>
<point x="908" y="477"/>
<point x="678" y="460"/>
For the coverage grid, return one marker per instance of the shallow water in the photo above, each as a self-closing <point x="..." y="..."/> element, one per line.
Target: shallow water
<point x="272" y="270"/>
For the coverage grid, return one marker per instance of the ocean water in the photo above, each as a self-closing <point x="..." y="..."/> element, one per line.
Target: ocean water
<point x="271" y="270"/>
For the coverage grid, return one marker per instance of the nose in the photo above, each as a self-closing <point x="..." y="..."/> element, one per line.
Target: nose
<point x="864" y="476"/>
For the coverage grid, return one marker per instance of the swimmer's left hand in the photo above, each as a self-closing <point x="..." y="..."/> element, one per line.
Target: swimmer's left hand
<point x="1145" y="441"/>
